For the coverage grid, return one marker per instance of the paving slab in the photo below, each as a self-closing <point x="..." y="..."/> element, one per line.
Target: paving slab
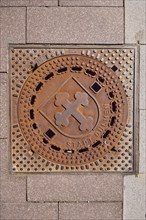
<point x="102" y="187"/>
<point x="90" y="211"/>
<point x="8" y="3"/>
<point x="142" y="142"/>
<point x="142" y="104"/>
<point x="4" y="98"/>
<point x="29" y="211"/>
<point x="79" y="25"/>
<point x="13" y="188"/>
<point x="12" y="31"/>
<point x="4" y="158"/>
<point x="134" y="197"/>
<point x="91" y="3"/>
<point x="135" y="21"/>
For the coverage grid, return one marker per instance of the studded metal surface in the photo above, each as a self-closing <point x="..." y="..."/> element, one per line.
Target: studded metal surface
<point x="72" y="110"/>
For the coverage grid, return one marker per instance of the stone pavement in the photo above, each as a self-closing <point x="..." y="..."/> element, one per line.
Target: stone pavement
<point x="72" y="196"/>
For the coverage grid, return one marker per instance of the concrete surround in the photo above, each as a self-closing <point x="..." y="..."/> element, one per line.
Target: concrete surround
<point x="72" y="197"/>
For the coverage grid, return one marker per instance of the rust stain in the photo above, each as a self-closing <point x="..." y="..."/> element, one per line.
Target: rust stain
<point x="72" y="111"/>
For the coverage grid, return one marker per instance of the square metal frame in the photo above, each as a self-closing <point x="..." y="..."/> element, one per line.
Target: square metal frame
<point x="51" y="167"/>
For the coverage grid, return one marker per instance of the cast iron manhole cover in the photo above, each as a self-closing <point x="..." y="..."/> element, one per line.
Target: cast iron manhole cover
<point x="72" y="109"/>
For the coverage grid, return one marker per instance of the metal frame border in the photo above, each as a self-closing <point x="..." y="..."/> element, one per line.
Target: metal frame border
<point x="136" y="90"/>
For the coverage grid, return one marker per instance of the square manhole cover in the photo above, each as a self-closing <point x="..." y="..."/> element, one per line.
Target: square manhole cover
<point x="71" y="109"/>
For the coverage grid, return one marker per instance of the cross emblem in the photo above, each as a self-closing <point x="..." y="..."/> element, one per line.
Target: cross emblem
<point x="71" y="109"/>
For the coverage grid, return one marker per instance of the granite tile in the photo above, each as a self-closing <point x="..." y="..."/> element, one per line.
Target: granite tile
<point x="134" y="197"/>
<point x="16" y="3"/>
<point x="29" y="211"/>
<point x="142" y="104"/>
<point x="4" y="103"/>
<point x="142" y="142"/>
<point x="135" y="21"/>
<point x="91" y="211"/>
<point x="89" y="25"/>
<point x="13" y="189"/>
<point x="4" y="158"/>
<point x="12" y="31"/>
<point x="106" y="3"/>
<point x="99" y="187"/>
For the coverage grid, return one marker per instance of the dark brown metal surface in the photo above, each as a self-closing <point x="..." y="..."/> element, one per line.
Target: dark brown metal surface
<point x="72" y="111"/>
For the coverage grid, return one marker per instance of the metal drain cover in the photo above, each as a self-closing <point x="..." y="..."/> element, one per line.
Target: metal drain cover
<point x="72" y="109"/>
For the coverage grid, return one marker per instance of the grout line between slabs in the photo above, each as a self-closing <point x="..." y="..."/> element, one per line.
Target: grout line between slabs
<point x="137" y="159"/>
<point x="81" y="202"/>
<point x="26" y="26"/>
<point x="58" y="211"/>
<point x="72" y="44"/>
<point x="67" y="6"/>
<point x="122" y="197"/>
<point x="124" y="21"/>
<point x="26" y="191"/>
<point x="89" y="6"/>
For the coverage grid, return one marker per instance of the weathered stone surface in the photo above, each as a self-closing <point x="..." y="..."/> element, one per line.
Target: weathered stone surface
<point x="4" y="158"/>
<point x="106" y="187"/>
<point x="91" y="3"/>
<point x="90" y="211"/>
<point x="134" y="197"/>
<point x="75" y="25"/>
<point x="12" y="31"/>
<point x="4" y="99"/>
<point x="135" y="21"/>
<point x="142" y="142"/>
<point x="8" y="3"/>
<point x="142" y="77"/>
<point x="29" y="211"/>
<point x="13" y="188"/>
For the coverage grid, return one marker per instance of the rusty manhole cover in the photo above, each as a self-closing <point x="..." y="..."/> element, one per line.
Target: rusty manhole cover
<point x="72" y="109"/>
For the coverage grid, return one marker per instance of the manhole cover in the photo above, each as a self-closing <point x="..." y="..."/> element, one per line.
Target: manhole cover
<point x="72" y="109"/>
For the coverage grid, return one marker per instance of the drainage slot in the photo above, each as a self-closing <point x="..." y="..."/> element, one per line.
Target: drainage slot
<point x="69" y="151"/>
<point x="101" y="79"/>
<point x="114" y="106"/>
<point x="62" y="70"/>
<point x="35" y="67"/>
<point x="50" y="134"/>
<point x="111" y="94"/>
<point x="90" y="72"/>
<point x="96" y="144"/>
<point x="18" y="85"/>
<point x="55" y="148"/>
<point x="113" y="121"/>
<point x="83" y="150"/>
<point x="18" y="136"/>
<point x="106" y="133"/>
<point x="33" y="99"/>
<point x="39" y="86"/>
<point x="34" y="126"/>
<point x="113" y="149"/>
<point x="45" y="141"/>
<point x="114" y="68"/>
<point x="76" y="68"/>
<point x="32" y="114"/>
<point x="49" y="76"/>
<point x="15" y="95"/>
<point x="95" y="87"/>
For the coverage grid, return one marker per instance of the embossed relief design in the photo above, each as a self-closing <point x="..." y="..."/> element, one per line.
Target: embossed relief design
<point x="73" y="111"/>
